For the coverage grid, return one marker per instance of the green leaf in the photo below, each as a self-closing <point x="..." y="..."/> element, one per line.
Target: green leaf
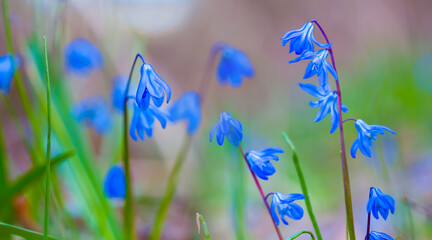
<point x="200" y="218"/>
<point x="25" y="233"/>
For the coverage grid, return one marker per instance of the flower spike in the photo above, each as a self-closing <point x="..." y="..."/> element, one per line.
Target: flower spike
<point x="318" y="65"/>
<point x="380" y="203"/>
<point x="82" y="57"/>
<point x="302" y="39"/>
<point x="234" y="65"/>
<point x="229" y="127"/>
<point x="143" y="121"/>
<point x="188" y="108"/>
<point x="260" y="161"/>
<point x="286" y="207"/>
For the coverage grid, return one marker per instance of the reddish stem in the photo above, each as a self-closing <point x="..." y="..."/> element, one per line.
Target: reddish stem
<point x="263" y="196"/>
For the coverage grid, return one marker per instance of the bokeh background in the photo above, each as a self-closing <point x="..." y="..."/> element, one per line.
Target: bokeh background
<point x="384" y="59"/>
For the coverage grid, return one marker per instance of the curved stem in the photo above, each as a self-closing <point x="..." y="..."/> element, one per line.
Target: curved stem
<point x="128" y="215"/>
<point x="296" y="235"/>
<point x="262" y="194"/>
<point x="349" y="119"/>
<point x="347" y="187"/>
<point x="268" y="195"/>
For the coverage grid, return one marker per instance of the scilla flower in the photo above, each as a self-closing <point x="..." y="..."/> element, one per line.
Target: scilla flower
<point x="302" y="39"/>
<point x="229" y="127"/>
<point x="379" y="236"/>
<point x="327" y="102"/>
<point x="260" y="161"/>
<point x="187" y="108"/>
<point x="118" y="95"/>
<point x="151" y="86"/>
<point x="143" y="121"/>
<point x="286" y="207"/>
<point x="82" y="57"/>
<point x="318" y="65"/>
<point x="115" y="183"/>
<point x="366" y="134"/>
<point x="95" y="112"/>
<point x="7" y="70"/>
<point x="234" y="65"/>
<point x="380" y="203"/>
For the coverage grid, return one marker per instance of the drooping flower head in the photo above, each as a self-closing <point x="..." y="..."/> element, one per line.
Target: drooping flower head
<point x="318" y="65"/>
<point x="302" y="39"/>
<point x="327" y="102"/>
<point x="143" y="121"/>
<point x="118" y="91"/>
<point x="366" y="134"/>
<point x="7" y="71"/>
<point x="233" y="66"/>
<point x="260" y="161"/>
<point x="82" y="57"/>
<point x="286" y="207"/>
<point x="379" y="236"/>
<point x="151" y="86"/>
<point x="115" y="182"/>
<point x="95" y="112"/>
<point x="187" y="108"/>
<point x="380" y="203"/>
<point x="229" y="127"/>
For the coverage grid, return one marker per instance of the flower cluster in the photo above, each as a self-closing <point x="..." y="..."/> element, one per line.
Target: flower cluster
<point x="379" y="203"/>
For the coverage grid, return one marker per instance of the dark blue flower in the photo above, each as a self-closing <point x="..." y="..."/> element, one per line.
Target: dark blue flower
<point x="188" y="108"/>
<point x="151" y="86"/>
<point x="7" y="71"/>
<point x="118" y="95"/>
<point x="229" y="127"/>
<point x="95" y="112"/>
<point x="327" y="101"/>
<point x="82" y="57"/>
<point x="286" y="207"/>
<point x="302" y="39"/>
<point x="234" y="65"/>
<point x="260" y="161"/>
<point x="318" y="65"/>
<point x="366" y="134"/>
<point x="379" y="236"/>
<point x="380" y="203"/>
<point x="143" y="121"/>
<point x="115" y="183"/>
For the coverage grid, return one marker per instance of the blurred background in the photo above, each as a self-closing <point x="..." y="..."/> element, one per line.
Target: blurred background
<point x="383" y="55"/>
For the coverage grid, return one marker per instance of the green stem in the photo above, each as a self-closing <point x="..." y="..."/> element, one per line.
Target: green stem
<point x="296" y="235"/>
<point x="239" y="198"/>
<point x="168" y="196"/>
<point x="48" y="153"/>
<point x="3" y="161"/>
<point x="303" y="187"/>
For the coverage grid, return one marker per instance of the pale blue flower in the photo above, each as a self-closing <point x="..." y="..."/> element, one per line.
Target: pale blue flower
<point x="7" y="71"/>
<point x="233" y="66"/>
<point x="143" y="121"/>
<point x="118" y="95"/>
<point x="229" y="127"/>
<point x="327" y="102"/>
<point x="115" y="183"/>
<point x="366" y="134"/>
<point x="286" y="207"/>
<point x="82" y="57"/>
<point x="380" y="203"/>
<point x="259" y="161"/>
<point x="379" y="236"/>
<point x="151" y="86"/>
<point x="187" y="108"/>
<point x="302" y="39"/>
<point x="318" y="65"/>
<point x="95" y="112"/>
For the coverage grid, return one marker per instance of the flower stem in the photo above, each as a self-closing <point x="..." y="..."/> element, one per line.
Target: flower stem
<point x="298" y="234"/>
<point x="303" y="187"/>
<point x="368" y="222"/>
<point x="263" y="196"/>
<point x="347" y="186"/>
<point x="48" y="153"/>
<point x="128" y="216"/>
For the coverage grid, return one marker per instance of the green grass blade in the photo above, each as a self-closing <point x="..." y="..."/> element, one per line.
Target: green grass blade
<point x="297" y="234"/>
<point x="201" y="221"/>
<point x="3" y="160"/>
<point x="25" y="233"/>
<point x="48" y="157"/>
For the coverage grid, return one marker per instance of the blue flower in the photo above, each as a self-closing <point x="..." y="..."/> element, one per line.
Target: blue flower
<point x="302" y="39"/>
<point x="229" y="127"/>
<point x="366" y="134"/>
<point x="234" y="65"/>
<point x="327" y="102"/>
<point x="95" y="112"/>
<point x="187" y="107"/>
<point x="82" y="57"/>
<point x="151" y="86"/>
<point x="118" y="95"/>
<point x="260" y="161"/>
<point x="318" y="65"/>
<point x="286" y="207"/>
<point x="115" y="183"/>
<point x="143" y="121"/>
<point x="379" y="236"/>
<point x="7" y="71"/>
<point x="380" y="203"/>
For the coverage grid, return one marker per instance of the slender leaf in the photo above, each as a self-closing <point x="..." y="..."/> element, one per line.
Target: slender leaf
<point x="25" y="233"/>
<point x="200" y="218"/>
